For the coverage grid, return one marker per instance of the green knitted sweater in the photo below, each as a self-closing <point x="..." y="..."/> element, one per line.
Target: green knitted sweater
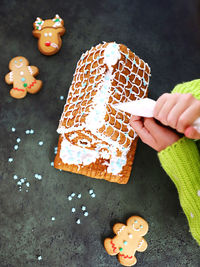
<point x="181" y="161"/>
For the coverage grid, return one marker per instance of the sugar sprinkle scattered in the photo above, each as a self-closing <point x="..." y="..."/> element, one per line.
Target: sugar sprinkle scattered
<point x="13" y="129"/>
<point x="73" y="210"/>
<point x="10" y="160"/>
<point x="53" y="218"/>
<point x="40" y="143"/>
<point x="83" y="208"/>
<point x="86" y="213"/>
<point x="78" y="221"/>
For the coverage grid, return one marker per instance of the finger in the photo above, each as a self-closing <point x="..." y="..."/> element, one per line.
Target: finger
<point x="135" y="118"/>
<point x="143" y="133"/>
<point x="159" y="104"/>
<point x="188" y="117"/>
<point x="151" y="125"/>
<point x="165" y="110"/>
<point x="175" y="113"/>
<point x="192" y="133"/>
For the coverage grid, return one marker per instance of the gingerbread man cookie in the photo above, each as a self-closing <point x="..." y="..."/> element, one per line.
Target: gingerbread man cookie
<point x="22" y="78"/>
<point x="49" y="34"/>
<point x="128" y="240"/>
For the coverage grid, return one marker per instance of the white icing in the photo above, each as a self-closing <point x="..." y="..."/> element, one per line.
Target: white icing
<point x="121" y="229"/>
<point x="30" y="70"/>
<point x="135" y="229"/>
<point x="21" y="73"/>
<point x="72" y="154"/>
<point x="19" y="66"/>
<point x="54" y="45"/>
<point x="140" y="243"/>
<point x="111" y="55"/>
<point x="11" y="76"/>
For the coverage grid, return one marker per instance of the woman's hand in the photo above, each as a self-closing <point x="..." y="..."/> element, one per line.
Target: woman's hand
<point x="178" y="111"/>
<point x="151" y="133"/>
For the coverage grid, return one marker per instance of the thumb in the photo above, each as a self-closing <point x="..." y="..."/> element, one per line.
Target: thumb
<point x="192" y="133"/>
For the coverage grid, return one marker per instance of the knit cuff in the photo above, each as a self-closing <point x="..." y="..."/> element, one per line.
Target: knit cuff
<point x="192" y="87"/>
<point x="181" y="161"/>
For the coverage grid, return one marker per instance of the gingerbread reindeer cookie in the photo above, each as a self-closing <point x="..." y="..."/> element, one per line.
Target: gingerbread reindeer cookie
<point x="128" y="240"/>
<point x="49" y="34"/>
<point x="22" y="78"/>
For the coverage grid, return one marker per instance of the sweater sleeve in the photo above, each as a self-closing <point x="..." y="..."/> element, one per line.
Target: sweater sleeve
<point x="181" y="161"/>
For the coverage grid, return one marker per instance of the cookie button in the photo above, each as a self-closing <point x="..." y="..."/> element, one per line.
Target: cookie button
<point x="21" y="73"/>
<point x="25" y="84"/>
<point x="23" y="79"/>
<point x="125" y="242"/>
<point x="120" y="249"/>
<point x="130" y="236"/>
<point x="47" y="43"/>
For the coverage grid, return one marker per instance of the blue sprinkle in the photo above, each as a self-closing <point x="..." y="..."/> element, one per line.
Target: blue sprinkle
<point x="107" y="55"/>
<point x="115" y="45"/>
<point x="134" y="62"/>
<point x="127" y="78"/>
<point x="86" y="64"/>
<point x="126" y="56"/>
<point x="98" y="58"/>
<point x="84" y="84"/>
<point x="86" y="71"/>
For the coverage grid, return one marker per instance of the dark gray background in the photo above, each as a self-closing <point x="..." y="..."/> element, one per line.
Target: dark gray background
<point x="166" y="34"/>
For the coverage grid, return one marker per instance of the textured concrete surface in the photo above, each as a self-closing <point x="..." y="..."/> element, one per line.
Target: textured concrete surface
<point x="166" y="34"/>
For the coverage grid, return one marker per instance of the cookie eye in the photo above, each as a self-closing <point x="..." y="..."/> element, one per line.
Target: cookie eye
<point x="50" y="34"/>
<point x="45" y="34"/>
<point x="20" y="60"/>
<point x="135" y="221"/>
<point x="141" y="226"/>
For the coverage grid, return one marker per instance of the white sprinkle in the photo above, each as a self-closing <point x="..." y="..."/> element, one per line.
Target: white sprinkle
<point x="39" y="258"/>
<point x="91" y="191"/>
<point x="27" y="184"/>
<point x="16" y="147"/>
<point x="83" y="208"/>
<point x="73" y="210"/>
<point x="20" y="189"/>
<point x="86" y="213"/>
<point x="27" y="132"/>
<point x="198" y="193"/>
<point x="73" y="195"/>
<point x="55" y="148"/>
<point x="13" y="129"/>
<point x="18" y="140"/>
<point x="78" y="221"/>
<point x="39" y="177"/>
<point x="22" y="180"/>
<point x="19" y="183"/>
<point x="10" y="159"/>
<point x="36" y="175"/>
<point x="69" y="198"/>
<point x="53" y="218"/>
<point x="52" y="163"/>
<point x="192" y="215"/>
<point x="40" y="143"/>
<point x="61" y="97"/>
<point x="60" y="170"/>
<point x="93" y="195"/>
<point x="15" y="177"/>
<point x="31" y="131"/>
<point x="26" y="190"/>
<point x="79" y="196"/>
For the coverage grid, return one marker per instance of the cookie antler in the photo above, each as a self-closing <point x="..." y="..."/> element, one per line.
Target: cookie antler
<point x="38" y="24"/>
<point x="58" y="22"/>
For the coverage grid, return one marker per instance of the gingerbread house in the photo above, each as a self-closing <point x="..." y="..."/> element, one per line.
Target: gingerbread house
<point x="95" y="138"/>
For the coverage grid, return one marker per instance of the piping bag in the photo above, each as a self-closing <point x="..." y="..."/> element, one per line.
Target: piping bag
<point x="144" y="108"/>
